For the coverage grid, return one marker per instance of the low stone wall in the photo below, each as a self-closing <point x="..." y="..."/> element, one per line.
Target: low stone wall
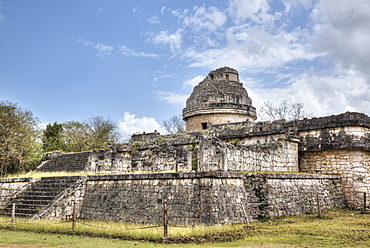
<point x="207" y="198"/>
<point x="273" y="195"/>
<point x="353" y="166"/>
<point x="193" y="198"/>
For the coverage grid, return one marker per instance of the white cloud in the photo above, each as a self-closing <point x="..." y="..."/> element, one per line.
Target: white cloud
<point x="101" y="49"/>
<point x="254" y="48"/>
<point x="321" y="94"/>
<point x="129" y="125"/>
<point x="173" y="40"/>
<point x="193" y="82"/>
<point x="254" y="10"/>
<point x="163" y="10"/>
<point x="342" y="29"/>
<point x="2" y="17"/>
<point x="104" y="50"/>
<point x="172" y="98"/>
<point x="131" y="53"/>
<point x="210" y="19"/>
<point x="154" y="20"/>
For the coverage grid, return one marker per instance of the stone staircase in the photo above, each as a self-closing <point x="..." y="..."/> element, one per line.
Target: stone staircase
<point x="39" y="195"/>
<point x="65" y="162"/>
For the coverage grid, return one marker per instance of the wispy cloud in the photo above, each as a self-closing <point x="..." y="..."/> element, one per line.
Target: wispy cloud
<point x="102" y="50"/>
<point x="202" y="19"/>
<point x="172" y="98"/>
<point x="172" y="40"/>
<point x="105" y="50"/>
<point x="2" y="16"/>
<point x="131" y="53"/>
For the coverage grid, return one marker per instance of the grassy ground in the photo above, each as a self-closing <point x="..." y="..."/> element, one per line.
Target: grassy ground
<point x="337" y="229"/>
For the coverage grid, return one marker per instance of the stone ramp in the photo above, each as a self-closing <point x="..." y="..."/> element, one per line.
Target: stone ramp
<point x="39" y="195"/>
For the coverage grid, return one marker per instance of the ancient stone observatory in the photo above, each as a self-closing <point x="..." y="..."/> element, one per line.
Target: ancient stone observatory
<point x="220" y="98"/>
<point x="225" y="169"/>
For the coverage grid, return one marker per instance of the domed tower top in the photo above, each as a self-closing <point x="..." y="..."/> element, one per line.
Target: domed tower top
<point x="219" y="99"/>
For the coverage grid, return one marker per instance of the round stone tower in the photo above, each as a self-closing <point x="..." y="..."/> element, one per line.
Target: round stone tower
<point x="219" y="99"/>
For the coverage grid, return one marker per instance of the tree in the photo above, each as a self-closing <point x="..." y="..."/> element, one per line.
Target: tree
<point x="19" y="135"/>
<point x="52" y="138"/>
<point x="74" y="136"/>
<point x="103" y="132"/>
<point x="284" y="111"/>
<point x="174" y="125"/>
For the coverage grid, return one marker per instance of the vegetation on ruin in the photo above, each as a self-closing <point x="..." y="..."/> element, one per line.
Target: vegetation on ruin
<point x="341" y="228"/>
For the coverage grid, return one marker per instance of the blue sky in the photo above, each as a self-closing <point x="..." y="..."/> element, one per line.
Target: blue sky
<point x="136" y="62"/>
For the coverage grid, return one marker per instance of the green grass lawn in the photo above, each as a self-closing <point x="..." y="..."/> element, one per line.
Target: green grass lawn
<point x="340" y="228"/>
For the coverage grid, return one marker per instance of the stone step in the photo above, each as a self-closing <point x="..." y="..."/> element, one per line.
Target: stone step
<point x="30" y="195"/>
<point x="40" y="195"/>
<point x="42" y="201"/>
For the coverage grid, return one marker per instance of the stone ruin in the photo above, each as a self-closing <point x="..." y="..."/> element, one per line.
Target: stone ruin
<point x="225" y="169"/>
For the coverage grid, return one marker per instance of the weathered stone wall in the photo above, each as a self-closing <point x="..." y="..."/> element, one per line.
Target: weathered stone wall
<point x="347" y="137"/>
<point x="193" y="198"/>
<point x="353" y="166"/>
<point x="273" y="195"/>
<point x="10" y="186"/>
<point x="215" y="155"/>
<point x="207" y="198"/>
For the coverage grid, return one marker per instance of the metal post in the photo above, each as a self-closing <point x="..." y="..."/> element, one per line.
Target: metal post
<point x="13" y="213"/>
<point x="74" y="216"/>
<point x="318" y="206"/>
<point x="165" y="220"/>
<point x="364" y="207"/>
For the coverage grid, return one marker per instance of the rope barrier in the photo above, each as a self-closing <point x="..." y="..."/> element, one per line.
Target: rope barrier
<point x="113" y="228"/>
<point x="35" y="223"/>
<point x="92" y="225"/>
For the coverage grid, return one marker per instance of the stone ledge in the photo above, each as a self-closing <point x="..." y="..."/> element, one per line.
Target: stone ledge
<point x="153" y="176"/>
<point x="16" y="180"/>
<point x="292" y="176"/>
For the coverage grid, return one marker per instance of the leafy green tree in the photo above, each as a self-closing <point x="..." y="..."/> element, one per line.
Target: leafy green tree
<point x="103" y="132"/>
<point x="19" y="135"/>
<point x="95" y="133"/>
<point x="76" y="136"/>
<point x="52" y="138"/>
